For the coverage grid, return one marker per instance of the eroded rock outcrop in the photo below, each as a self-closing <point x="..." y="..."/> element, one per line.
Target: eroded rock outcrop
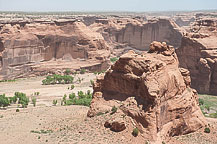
<point x="22" y="46"/>
<point x="151" y="93"/>
<point x="198" y="54"/>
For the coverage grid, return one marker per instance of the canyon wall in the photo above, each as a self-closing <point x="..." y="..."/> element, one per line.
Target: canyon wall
<point x="24" y="45"/>
<point x="198" y="53"/>
<point x="141" y="35"/>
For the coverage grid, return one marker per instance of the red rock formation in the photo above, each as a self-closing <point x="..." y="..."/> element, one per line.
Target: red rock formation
<point x="140" y="36"/>
<point x="198" y="54"/>
<point x="151" y="93"/>
<point x="33" y="43"/>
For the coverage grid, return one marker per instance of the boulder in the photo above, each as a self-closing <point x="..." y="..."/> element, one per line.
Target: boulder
<point x="152" y="91"/>
<point x="116" y="125"/>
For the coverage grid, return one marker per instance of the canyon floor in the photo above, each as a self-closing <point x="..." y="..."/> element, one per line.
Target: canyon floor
<point x="46" y="123"/>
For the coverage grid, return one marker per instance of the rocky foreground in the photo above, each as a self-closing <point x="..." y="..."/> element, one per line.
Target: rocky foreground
<point x="151" y="93"/>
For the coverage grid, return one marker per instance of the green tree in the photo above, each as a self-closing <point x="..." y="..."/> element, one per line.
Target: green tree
<point x="4" y="101"/>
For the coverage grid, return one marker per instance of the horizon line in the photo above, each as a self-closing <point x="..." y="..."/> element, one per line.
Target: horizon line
<point x="112" y="11"/>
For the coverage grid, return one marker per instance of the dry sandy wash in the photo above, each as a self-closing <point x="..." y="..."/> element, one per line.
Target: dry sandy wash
<point x="67" y="124"/>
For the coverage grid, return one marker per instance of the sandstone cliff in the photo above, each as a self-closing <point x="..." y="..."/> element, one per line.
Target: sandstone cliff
<point x="29" y="44"/>
<point x="140" y="36"/>
<point x="151" y="93"/>
<point x="198" y="54"/>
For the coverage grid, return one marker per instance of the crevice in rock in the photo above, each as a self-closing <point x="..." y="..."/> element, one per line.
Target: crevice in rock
<point x="1" y="50"/>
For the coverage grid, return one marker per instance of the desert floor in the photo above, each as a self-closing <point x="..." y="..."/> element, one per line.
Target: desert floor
<point x="46" y="123"/>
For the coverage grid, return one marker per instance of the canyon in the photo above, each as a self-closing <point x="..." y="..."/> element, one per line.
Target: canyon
<point x="38" y="45"/>
<point x="147" y="72"/>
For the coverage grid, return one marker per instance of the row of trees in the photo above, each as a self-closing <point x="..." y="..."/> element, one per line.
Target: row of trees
<point x="80" y="99"/>
<point x="21" y="98"/>
<point x="58" y="79"/>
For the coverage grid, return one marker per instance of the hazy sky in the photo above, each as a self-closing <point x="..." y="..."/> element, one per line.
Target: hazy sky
<point x="106" y="5"/>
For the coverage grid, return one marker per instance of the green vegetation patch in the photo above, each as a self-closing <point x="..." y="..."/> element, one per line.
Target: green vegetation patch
<point x="42" y="131"/>
<point x="207" y="130"/>
<point x="114" y="110"/>
<point x="135" y="132"/>
<point x="80" y="99"/>
<point x="7" y="81"/>
<point x="100" y="72"/>
<point x="4" y="101"/>
<point x="208" y="104"/>
<point x="58" y="79"/>
<point x="114" y="59"/>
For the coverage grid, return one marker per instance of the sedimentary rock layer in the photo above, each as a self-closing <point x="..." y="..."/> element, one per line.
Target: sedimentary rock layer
<point x="140" y="36"/>
<point x="198" y="54"/>
<point x="29" y="44"/>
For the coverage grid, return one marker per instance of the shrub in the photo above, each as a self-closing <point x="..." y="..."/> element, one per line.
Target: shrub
<point x="34" y="101"/>
<point x="207" y="130"/>
<point x="67" y="72"/>
<point x="14" y="99"/>
<point x="68" y="79"/>
<point x="64" y="99"/>
<point x="72" y="87"/>
<point x="82" y="101"/>
<point x="72" y="96"/>
<point x="207" y="107"/>
<point x="81" y="94"/>
<point x="36" y="93"/>
<point x="10" y="100"/>
<point x="201" y="101"/>
<point x="82" y="71"/>
<point x="89" y="94"/>
<point x="17" y="110"/>
<point x="75" y="73"/>
<point x="114" y="59"/>
<point x="79" y="79"/>
<point x="69" y="102"/>
<point x="4" y="101"/>
<point x="99" y="114"/>
<point x="213" y="115"/>
<point x="135" y="132"/>
<point x="23" y="99"/>
<point x="54" y="102"/>
<point x="163" y="142"/>
<point x="91" y="82"/>
<point x="97" y="73"/>
<point x="114" y="110"/>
